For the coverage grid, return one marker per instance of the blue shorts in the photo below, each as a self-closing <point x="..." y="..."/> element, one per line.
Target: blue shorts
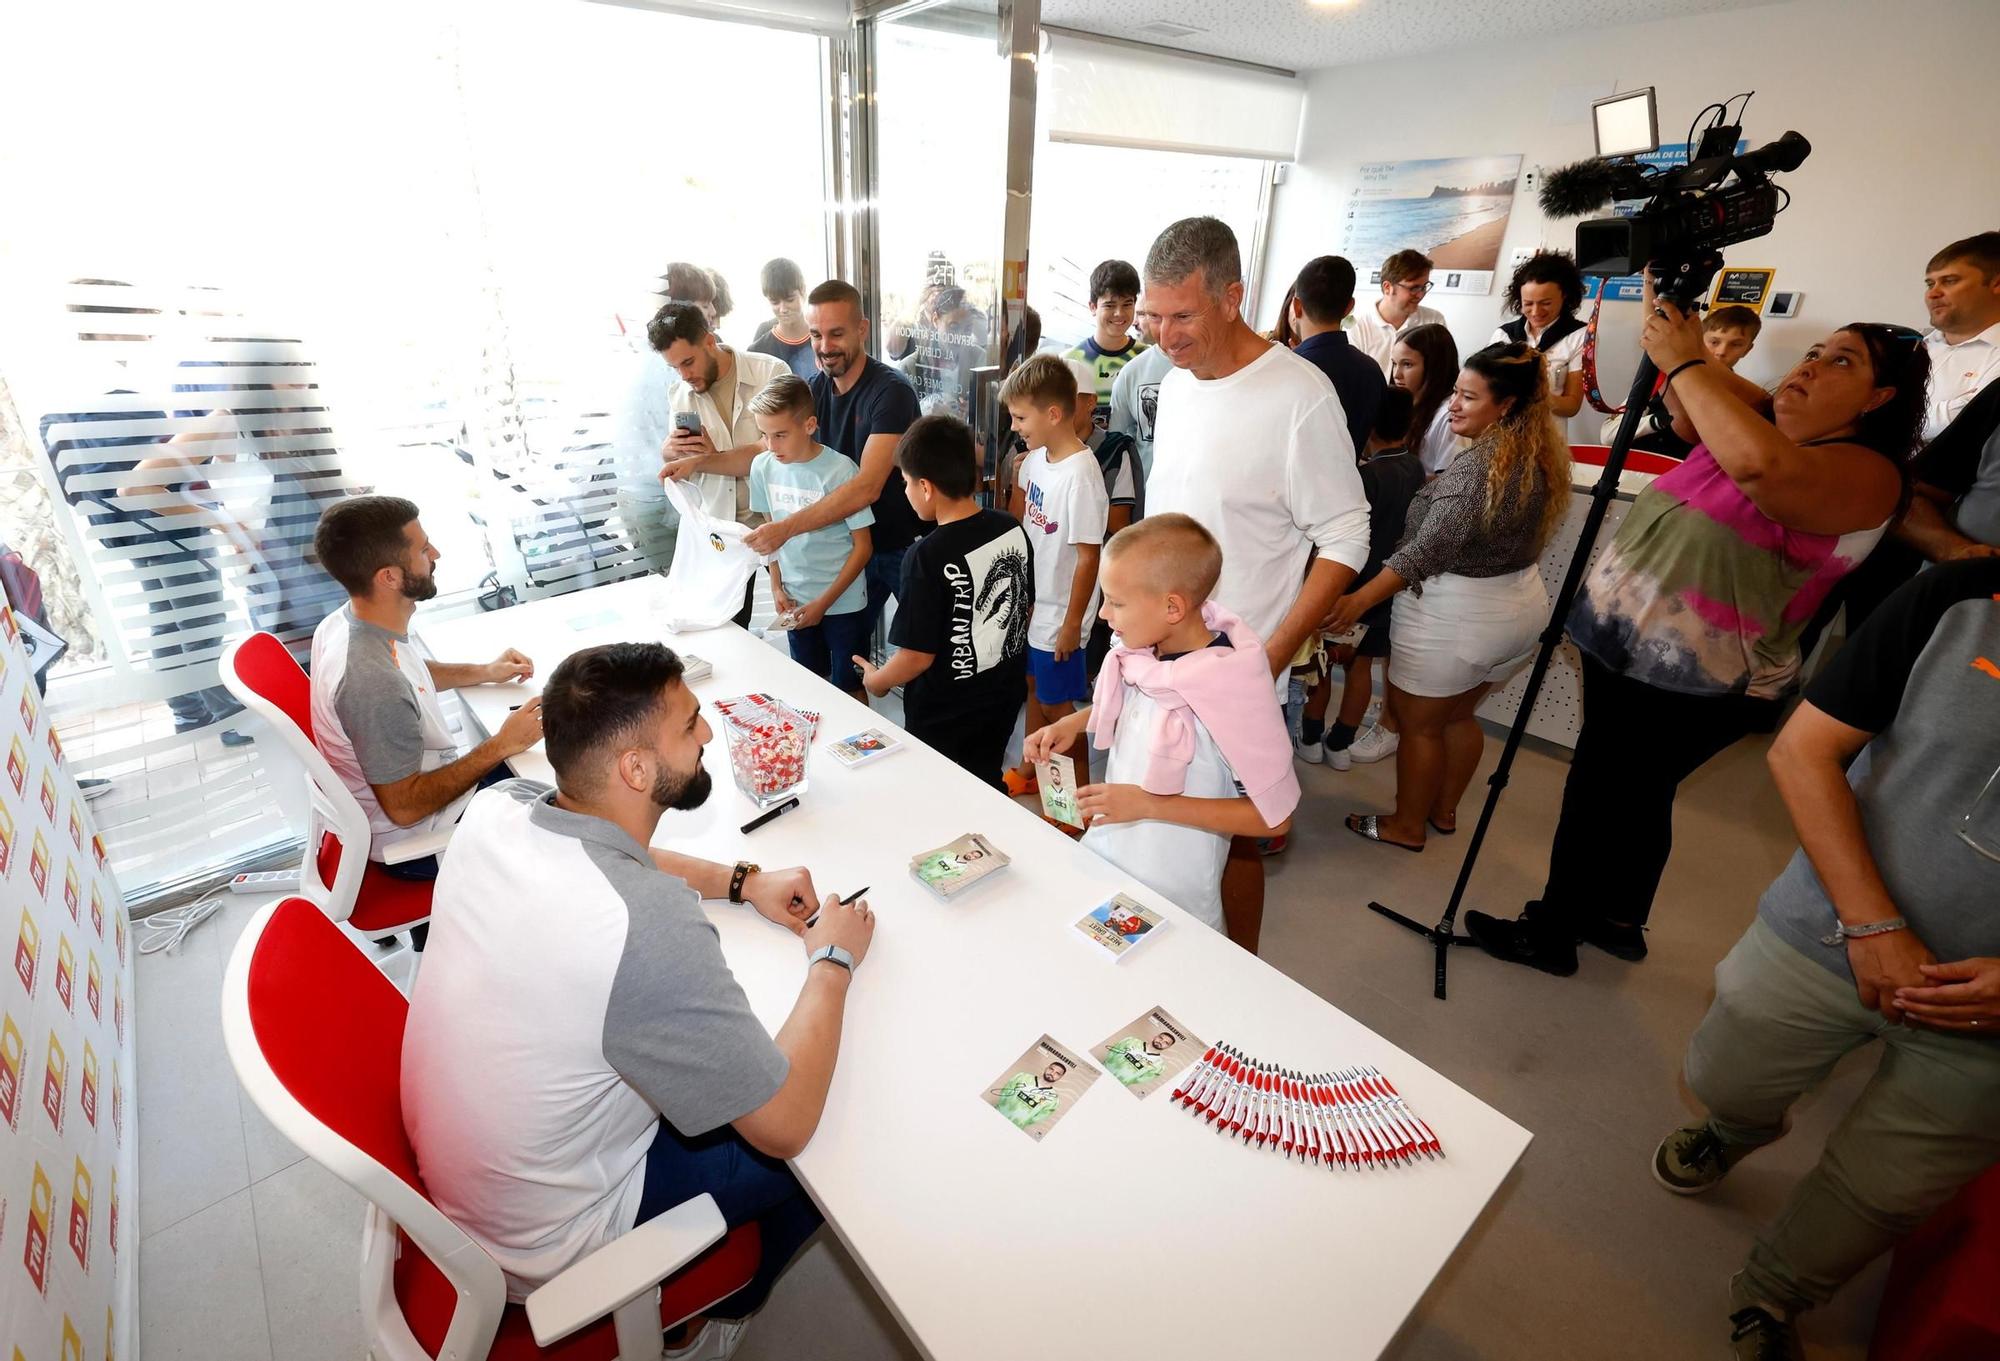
<point x="1058" y="682"/>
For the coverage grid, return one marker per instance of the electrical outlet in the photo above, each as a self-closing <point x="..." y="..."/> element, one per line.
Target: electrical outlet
<point x="1531" y="180"/>
<point x="1519" y="257"/>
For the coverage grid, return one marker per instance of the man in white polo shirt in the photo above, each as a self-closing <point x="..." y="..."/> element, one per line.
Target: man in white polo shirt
<point x="375" y="709"/>
<point x="578" y="1058"/>
<point x="1962" y="294"/>
<point x="1251" y="442"/>
<point x="714" y="439"/>
<point x="1373" y="327"/>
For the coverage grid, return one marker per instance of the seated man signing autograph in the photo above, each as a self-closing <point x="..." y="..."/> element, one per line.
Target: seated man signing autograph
<point x="578" y="1058"/>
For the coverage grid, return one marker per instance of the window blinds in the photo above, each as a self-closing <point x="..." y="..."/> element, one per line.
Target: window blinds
<point x="1120" y="94"/>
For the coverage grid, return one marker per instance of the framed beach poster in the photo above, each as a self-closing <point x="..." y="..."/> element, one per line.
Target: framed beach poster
<point x="1453" y="209"/>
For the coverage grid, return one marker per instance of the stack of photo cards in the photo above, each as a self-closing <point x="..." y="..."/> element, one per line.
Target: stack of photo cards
<point x="1149" y="1052"/>
<point x="1038" y="1089"/>
<point x="1057" y="778"/>
<point x="869" y="744"/>
<point x="953" y="868"/>
<point x="1119" y="927"/>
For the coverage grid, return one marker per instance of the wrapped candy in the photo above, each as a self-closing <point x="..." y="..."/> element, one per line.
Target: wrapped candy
<point x="768" y="741"/>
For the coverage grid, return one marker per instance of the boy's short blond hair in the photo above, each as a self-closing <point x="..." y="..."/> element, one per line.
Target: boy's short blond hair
<point x="1174" y="554"/>
<point x="786" y="393"/>
<point x="1042" y="379"/>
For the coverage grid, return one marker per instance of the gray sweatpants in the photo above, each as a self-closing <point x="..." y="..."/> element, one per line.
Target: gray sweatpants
<point x="1927" y="1123"/>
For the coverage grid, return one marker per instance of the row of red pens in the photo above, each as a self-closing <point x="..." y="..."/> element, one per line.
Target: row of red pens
<point x="1352" y="1118"/>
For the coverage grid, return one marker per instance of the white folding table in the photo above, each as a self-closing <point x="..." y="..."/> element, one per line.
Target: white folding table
<point x="1132" y="1229"/>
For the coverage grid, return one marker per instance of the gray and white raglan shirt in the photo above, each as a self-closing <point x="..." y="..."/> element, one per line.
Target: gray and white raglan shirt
<point x="572" y="994"/>
<point x="377" y="720"/>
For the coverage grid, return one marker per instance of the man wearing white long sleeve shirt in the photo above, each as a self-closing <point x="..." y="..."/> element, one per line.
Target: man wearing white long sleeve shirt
<point x="1252" y="442"/>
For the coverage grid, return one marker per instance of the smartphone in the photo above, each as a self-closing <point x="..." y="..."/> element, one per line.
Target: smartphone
<point x="689" y="421"/>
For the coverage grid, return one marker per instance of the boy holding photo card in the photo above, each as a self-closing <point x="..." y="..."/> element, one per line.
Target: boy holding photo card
<point x="1199" y="748"/>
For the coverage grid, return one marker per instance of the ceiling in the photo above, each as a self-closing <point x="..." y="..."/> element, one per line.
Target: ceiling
<point x="1300" y="36"/>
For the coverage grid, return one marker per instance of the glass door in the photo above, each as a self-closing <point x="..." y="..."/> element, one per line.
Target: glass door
<point x="950" y="141"/>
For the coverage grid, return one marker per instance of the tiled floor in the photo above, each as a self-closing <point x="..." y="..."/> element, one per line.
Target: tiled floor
<point x="248" y="1252"/>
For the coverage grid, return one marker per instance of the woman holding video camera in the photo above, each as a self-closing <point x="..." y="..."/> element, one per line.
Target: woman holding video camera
<point x="1689" y="622"/>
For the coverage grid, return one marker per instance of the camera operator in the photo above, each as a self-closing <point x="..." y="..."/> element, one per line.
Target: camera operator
<point x="1689" y="622"/>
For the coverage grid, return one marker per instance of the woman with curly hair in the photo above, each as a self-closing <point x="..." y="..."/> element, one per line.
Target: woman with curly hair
<point x="1468" y="594"/>
<point x="1689" y="621"/>
<point x="1543" y="295"/>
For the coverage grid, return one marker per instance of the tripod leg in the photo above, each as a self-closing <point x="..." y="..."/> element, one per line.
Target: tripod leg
<point x="1443" y="935"/>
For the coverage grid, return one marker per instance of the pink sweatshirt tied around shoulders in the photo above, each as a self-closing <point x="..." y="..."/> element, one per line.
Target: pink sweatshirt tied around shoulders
<point x="1225" y="690"/>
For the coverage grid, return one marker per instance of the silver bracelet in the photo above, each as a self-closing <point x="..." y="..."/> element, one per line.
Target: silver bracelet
<point x="1842" y="932"/>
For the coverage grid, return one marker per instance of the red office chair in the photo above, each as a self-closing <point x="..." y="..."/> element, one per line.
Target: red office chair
<point x="348" y="888"/>
<point x="427" y="1290"/>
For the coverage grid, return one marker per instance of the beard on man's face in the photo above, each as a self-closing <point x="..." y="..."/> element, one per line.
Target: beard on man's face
<point x="682" y="794"/>
<point x="424" y="587"/>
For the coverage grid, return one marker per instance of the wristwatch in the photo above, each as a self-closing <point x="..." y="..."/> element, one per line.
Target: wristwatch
<point x="744" y="869"/>
<point x="834" y="953"/>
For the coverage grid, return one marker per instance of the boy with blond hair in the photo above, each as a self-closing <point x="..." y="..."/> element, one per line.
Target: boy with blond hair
<point x="1199" y="751"/>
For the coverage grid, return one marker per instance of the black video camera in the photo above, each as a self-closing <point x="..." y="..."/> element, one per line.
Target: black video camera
<point x="1691" y="212"/>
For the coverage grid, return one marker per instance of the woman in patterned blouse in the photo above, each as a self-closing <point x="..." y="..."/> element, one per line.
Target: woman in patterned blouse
<point x="1468" y="595"/>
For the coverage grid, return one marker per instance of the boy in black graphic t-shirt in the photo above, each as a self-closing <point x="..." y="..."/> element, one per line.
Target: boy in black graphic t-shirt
<point x="961" y="626"/>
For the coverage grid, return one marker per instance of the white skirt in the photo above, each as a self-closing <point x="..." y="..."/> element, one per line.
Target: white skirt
<point x="1465" y="631"/>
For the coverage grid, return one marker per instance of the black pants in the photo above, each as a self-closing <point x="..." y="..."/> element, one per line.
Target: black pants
<point x="1637" y="744"/>
<point x="975" y="744"/>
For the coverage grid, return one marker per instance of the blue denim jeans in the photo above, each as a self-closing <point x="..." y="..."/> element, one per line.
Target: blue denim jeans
<point x="747" y="1185"/>
<point x="885" y="578"/>
<point x="828" y="648"/>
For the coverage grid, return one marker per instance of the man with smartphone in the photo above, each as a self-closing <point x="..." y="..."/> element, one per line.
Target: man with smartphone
<point x="714" y="438"/>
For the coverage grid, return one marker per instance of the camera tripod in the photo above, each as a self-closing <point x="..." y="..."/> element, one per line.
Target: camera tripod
<point x="1682" y="283"/>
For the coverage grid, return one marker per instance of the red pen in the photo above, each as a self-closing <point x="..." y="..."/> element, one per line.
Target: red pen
<point x="1288" y="1130"/>
<point x="1207" y="1093"/>
<point x="1306" y="1122"/>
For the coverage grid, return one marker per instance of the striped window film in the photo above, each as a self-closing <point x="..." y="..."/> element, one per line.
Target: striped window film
<point x="437" y="291"/>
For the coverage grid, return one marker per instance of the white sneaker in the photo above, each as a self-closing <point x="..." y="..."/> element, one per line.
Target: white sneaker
<point x="1309" y="752"/>
<point x="717" y="1341"/>
<point x="1342" y="759"/>
<point x="1373" y="745"/>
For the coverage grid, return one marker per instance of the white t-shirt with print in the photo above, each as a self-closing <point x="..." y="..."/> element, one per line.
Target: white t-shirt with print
<point x="1066" y="505"/>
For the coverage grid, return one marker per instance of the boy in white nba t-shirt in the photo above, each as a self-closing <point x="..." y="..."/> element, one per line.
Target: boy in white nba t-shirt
<point x="1199" y="751"/>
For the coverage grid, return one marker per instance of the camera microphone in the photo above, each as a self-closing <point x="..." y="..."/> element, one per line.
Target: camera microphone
<point x="1573" y="190"/>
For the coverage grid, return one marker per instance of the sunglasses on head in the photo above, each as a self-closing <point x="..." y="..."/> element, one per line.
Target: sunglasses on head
<point x="1891" y="334"/>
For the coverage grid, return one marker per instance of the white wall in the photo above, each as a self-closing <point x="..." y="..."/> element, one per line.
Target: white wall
<point x="1896" y="96"/>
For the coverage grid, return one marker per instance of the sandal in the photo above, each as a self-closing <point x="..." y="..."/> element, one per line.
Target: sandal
<point x="1443" y="830"/>
<point x="1369" y="825"/>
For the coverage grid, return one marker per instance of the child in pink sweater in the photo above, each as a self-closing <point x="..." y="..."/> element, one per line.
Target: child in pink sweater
<point x="1198" y="748"/>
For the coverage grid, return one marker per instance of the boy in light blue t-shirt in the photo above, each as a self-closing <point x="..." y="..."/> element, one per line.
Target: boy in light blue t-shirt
<point x="816" y="577"/>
